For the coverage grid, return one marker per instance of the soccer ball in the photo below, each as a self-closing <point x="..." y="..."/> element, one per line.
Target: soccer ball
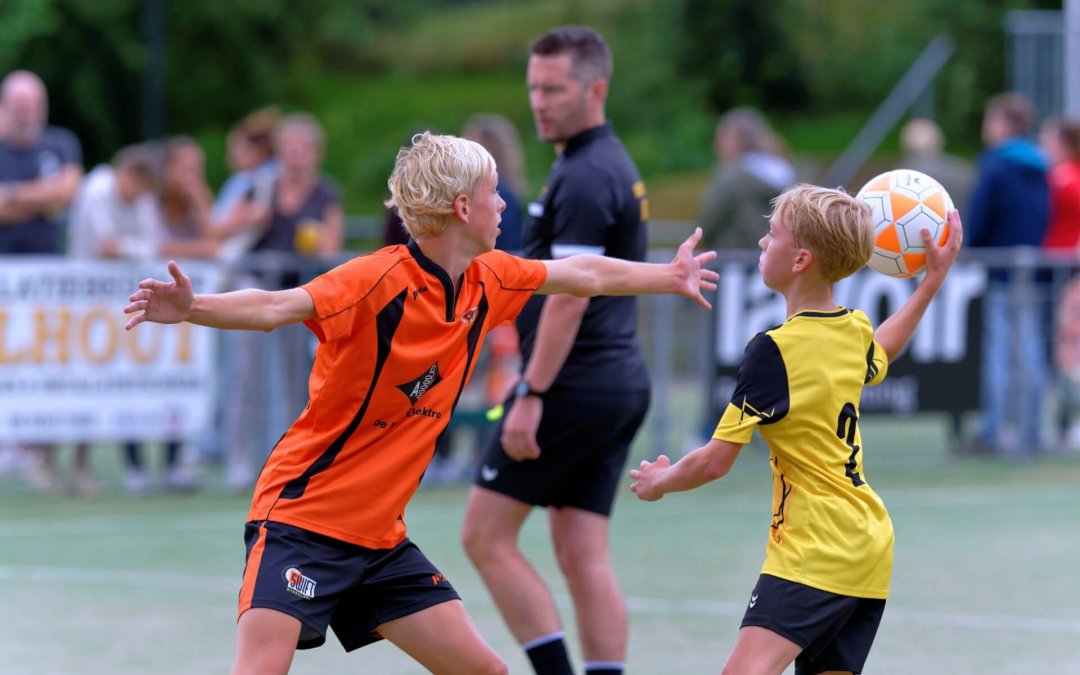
<point x="903" y="203"/>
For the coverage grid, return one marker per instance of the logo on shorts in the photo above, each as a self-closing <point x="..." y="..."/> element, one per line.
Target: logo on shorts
<point x="418" y="387"/>
<point x="298" y="584"/>
<point x="753" y="601"/>
<point x="436" y="578"/>
<point x="488" y="473"/>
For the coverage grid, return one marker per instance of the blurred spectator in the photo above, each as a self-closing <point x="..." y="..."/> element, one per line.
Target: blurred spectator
<point x="922" y="148"/>
<point x="187" y="231"/>
<point x="1010" y="207"/>
<point x="40" y="171"/>
<point x="304" y="216"/>
<point x="500" y="137"/>
<point x="394" y="229"/>
<point x="500" y="358"/>
<point x="114" y="214"/>
<point x="1060" y="140"/>
<point x="752" y="171"/>
<point x="250" y="157"/>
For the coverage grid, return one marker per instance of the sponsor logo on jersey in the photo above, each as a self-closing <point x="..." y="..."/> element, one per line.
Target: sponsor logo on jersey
<point x="469" y="316"/>
<point x="298" y="584"/>
<point x="414" y="389"/>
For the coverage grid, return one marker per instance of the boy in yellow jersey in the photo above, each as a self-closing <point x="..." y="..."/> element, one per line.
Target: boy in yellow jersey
<point x="822" y="589"/>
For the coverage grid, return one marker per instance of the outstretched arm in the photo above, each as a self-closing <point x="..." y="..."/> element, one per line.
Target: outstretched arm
<point x="249" y="309"/>
<point x="895" y="332"/>
<point x="713" y="460"/>
<point x="589" y="275"/>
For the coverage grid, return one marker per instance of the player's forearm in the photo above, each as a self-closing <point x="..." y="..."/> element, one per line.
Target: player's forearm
<point x="555" y="335"/>
<point x="703" y="465"/>
<point x="896" y="331"/>
<point x="592" y="275"/>
<point x="248" y="309"/>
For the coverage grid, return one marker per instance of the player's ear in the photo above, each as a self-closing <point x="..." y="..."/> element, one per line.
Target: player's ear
<point x="803" y="259"/>
<point x="461" y="208"/>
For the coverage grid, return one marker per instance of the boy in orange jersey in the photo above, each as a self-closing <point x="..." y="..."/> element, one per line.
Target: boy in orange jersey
<point x="399" y="331"/>
<point x="828" y="562"/>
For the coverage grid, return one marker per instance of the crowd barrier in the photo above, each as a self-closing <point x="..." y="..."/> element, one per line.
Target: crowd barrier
<point x="69" y="372"/>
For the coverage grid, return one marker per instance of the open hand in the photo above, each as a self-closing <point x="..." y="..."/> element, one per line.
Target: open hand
<point x="692" y="268"/>
<point x="161" y="301"/>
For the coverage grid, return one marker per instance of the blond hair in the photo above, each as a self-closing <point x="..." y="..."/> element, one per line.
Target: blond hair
<point x="429" y="175"/>
<point x="835" y="226"/>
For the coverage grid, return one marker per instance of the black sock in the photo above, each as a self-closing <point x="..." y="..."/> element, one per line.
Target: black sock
<point x="549" y="657"/>
<point x="604" y="668"/>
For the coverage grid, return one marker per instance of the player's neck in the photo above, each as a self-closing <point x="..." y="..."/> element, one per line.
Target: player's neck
<point x="815" y="296"/>
<point x="445" y="252"/>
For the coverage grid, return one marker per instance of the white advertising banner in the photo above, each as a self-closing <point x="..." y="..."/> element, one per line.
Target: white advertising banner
<point x="70" y="372"/>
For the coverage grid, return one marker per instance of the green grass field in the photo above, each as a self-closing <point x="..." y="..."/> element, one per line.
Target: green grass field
<point x="985" y="578"/>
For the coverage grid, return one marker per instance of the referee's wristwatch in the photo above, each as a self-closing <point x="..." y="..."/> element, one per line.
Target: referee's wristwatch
<point x="522" y="389"/>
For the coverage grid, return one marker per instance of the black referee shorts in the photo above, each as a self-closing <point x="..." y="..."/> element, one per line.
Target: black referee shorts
<point x="584" y="440"/>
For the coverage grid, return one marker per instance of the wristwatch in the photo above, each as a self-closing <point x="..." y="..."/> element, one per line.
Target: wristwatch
<point x="522" y="389"/>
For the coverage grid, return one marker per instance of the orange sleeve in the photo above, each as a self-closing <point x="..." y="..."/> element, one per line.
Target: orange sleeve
<point x="517" y="279"/>
<point x="338" y="294"/>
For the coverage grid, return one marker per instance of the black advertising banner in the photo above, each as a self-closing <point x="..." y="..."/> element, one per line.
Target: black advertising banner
<point x="938" y="371"/>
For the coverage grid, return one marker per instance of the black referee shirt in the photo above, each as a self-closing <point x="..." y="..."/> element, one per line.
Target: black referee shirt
<point x="593" y="202"/>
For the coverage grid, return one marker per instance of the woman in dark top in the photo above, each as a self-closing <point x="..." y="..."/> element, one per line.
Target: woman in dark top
<point x="305" y="214"/>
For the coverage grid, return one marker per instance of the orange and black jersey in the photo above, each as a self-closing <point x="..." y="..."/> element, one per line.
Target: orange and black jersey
<point x="396" y="348"/>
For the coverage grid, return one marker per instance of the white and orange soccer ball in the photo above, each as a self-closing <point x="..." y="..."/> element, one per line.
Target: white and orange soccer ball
<point x="904" y="202"/>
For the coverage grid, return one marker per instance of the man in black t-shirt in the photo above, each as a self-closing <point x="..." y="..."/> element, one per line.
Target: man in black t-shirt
<point x="584" y="390"/>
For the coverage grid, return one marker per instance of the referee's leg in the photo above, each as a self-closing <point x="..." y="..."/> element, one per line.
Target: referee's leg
<point x="490" y="536"/>
<point x="581" y="541"/>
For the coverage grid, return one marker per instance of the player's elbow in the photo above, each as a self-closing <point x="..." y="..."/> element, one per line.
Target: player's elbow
<point x="716" y="467"/>
<point x="715" y="471"/>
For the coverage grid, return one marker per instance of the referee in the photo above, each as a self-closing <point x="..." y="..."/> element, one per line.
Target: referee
<point x="584" y="389"/>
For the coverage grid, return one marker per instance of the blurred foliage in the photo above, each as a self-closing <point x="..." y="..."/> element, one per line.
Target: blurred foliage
<point x="374" y="71"/>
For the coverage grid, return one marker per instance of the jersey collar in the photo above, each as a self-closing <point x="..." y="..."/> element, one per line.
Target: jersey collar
<point x="587" y="136"/>
<point x="816" y="314"/>
<point x="432" y="268"/>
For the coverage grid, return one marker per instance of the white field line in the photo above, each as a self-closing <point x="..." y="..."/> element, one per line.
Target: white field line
<point x="901" y="499"/>
<point x="156" y="581"/>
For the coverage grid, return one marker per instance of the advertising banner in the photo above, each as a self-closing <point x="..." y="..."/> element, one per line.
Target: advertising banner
<point x="70" y="372"/>
<point x="938" y="371"/>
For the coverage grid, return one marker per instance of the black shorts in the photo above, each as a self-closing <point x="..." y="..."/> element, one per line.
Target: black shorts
<point x="835" y="631"/>
<point x="584" y="440"/>
<point x="327" y="582"/>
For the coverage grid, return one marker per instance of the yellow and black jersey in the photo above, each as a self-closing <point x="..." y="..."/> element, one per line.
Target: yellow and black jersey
<point x="800" y="385"/>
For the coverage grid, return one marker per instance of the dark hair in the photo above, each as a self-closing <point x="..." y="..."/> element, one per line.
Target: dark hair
<point x="141" y="160"/>
<point x="1015" y="109"/>
<point x="590" y="58"/>
<point x="1068" y="130"/>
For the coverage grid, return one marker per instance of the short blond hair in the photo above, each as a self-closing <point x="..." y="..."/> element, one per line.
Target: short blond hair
<point x="835" y="226"/>
<point x="429" y="175"/>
